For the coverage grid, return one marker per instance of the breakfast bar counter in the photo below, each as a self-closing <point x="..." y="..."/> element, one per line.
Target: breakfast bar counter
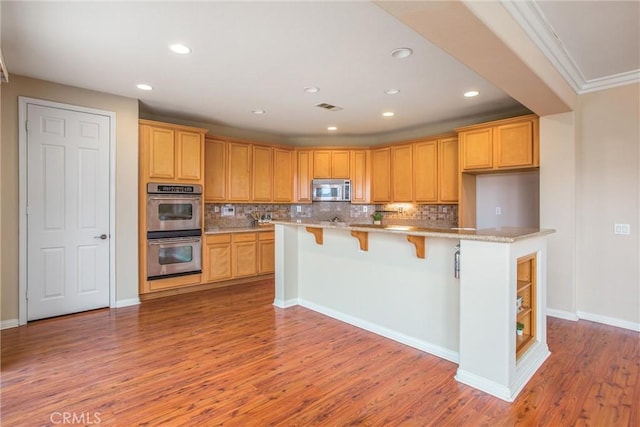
<point x="398" y="281"/>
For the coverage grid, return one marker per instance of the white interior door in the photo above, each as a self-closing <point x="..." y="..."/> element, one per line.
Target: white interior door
<point x="67" y="211"/>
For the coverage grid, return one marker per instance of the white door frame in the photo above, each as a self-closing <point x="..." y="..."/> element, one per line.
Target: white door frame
<point x="22" y="163"/>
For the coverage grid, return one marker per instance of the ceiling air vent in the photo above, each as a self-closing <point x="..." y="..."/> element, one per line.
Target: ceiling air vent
<point x="329" y="107"/>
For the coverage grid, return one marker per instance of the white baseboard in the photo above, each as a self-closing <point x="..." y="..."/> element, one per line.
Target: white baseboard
<point x="127" y="302"/>
<point x="611" y="321"/>
<point x="10" y="323"/>
<point x="285" y="303"/>
<point x="483" y="384"/>
<point x="561" y="314"/>
<point x="427" y="347"/>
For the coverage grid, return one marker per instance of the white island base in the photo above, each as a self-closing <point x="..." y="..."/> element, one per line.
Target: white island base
<point x="399" y="282"/>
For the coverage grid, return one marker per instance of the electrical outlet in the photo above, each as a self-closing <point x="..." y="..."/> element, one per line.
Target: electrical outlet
<point x="298" y="208"/>
<point x="498" y="210"/>
<point x="216" y="209"/>
<point x="365" y="209"/>
<point x="624" y="229"/>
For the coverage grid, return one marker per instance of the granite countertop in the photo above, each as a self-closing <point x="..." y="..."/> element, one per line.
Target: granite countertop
<point x="499" y="235"/>
<point x="249" y="229"/>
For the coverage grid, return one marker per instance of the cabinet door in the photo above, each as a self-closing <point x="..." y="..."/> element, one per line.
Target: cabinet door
<point x="262" y="176"/>
<point x="340" y="164"/>
<point x="238" y="172"/>
<point x="217" y="258"/>
<point x="215" y="153"/>
<point x="303" y="175"/>
<point x="282" y="175"/>
<point x="425" y="171"/>
<point x="381" y="175"/>
<point x="402" y="173"/>
<point x="266" y="252"/>
<point x="448" y="170"/>
<point x="477" y="149"/>
<point x="189" y="150"/>
<point x="245" y="255"/>
<point x="161" y="153"/>
<point x="514" y="145"/>
<point x="360" y="169"/>
<point x="322" y="164"/>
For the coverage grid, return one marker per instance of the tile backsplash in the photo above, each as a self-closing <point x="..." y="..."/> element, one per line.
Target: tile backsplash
<point x="397" y="213"/>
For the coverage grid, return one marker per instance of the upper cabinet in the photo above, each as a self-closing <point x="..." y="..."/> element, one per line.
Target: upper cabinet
<point x="215" y="182"/>
<point x="171" y="153"/>
<point x="381" y="175"/>
<point x="304" y="175"/>
<point x="238" y="171"/>
<point x="503" y="144"/>
<point x="448" y="170"/>
<point x="360" y="176"/>
<point x="425" y="171"/>
<point x="331" y="164"/>
<point x="402" y="173"/>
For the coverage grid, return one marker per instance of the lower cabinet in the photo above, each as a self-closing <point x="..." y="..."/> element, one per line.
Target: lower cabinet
<point x="238" y="255"/>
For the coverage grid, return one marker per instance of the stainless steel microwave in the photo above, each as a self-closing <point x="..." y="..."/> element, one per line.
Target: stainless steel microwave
<point x="331" y="190"/>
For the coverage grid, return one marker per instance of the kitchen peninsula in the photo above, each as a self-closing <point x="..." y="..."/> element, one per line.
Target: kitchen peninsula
<point x="398" y="282"/>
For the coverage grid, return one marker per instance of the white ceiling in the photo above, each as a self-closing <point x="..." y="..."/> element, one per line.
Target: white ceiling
<point x="260" y="55"/>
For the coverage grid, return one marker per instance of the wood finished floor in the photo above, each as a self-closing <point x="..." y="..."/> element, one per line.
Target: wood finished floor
<point x="228" y="357"/>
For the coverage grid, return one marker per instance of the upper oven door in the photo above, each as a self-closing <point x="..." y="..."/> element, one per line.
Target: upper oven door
<point x="172" y="212"/>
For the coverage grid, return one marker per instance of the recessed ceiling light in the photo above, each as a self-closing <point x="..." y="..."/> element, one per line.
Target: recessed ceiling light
<point x="401" y="52"/>
<point x="180" y="48"/>
<point x="332" y="128"/>
<point x="388" y="114"/>
<point x="311" y="89"/>
<point x="143" y="86"/>
<point x="392" y="91"/>
<point x="258" y="112"/>
<point x="471" y="94"/>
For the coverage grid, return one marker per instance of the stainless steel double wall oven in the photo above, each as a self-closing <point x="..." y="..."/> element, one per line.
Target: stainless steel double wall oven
<point x="174" y="230"/>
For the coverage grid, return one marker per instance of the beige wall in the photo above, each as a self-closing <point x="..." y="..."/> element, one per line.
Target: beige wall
<point x="607" y="192"/>
<point x="126" y="110"/>
<point x="558" y="210"/>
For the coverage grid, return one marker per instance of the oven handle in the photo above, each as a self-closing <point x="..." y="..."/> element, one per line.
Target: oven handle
<point x="176" y="197"/>
<point x="173" y="240"/>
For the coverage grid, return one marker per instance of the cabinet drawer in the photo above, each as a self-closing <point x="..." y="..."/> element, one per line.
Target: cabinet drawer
<point x="267" y="235"/>
<point x="218" y="238"/>
<point x="244" y="237"/>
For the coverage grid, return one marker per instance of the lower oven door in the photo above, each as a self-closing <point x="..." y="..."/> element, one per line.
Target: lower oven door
<point x="176" y="256"/>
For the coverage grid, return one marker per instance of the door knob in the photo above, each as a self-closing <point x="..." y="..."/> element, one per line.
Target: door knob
<point x="101" y="237"/>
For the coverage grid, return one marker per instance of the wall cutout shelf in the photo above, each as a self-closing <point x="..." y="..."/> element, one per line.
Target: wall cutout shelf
<point x="317" y="233"/>
<point x="363" y="238"/>
<point x="418" y="242"/>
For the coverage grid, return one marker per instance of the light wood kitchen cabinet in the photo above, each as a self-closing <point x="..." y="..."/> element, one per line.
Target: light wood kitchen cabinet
<point x="217" y="258"/>
<point x="425" y="167"/>
<point x="244" y="255"/>
<point x="304" y="175"/>
<point x="360" y="176"/>
<point x="503" y="144"/>
<point x="402" y="173"/>
<point x="262" y="174"/>
<point x="381" y="175"/>
<point x="448" y="170"/>
<point x="266" y="252"/>
<point x="238" y="172"/>
<point x="331" y="164"/>
<point x="215" y="154"/>
<point x="526" y="303"/>
<point x="171" y="153"/>
<point x="283" y="164"/>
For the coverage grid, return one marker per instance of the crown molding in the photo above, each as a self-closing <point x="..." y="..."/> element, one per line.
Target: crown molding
<point x="532" y="20"/>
